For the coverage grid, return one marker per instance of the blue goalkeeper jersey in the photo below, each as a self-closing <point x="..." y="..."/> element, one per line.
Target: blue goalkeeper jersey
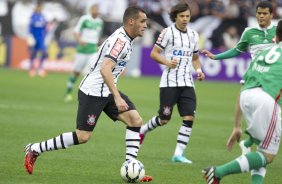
<point x="37" y="27"/>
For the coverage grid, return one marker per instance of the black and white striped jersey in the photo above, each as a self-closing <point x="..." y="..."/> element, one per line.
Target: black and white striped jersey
<point x="180" y="45"/>
<point x="118" y="47"/>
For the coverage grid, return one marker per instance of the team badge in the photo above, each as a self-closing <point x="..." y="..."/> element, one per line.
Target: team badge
<point x="91" y="119"/>
<point x="167" y="111"/>
<point x="277" y="139"/>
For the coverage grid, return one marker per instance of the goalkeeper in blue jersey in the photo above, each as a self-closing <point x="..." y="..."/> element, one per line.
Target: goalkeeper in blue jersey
<point x="38" y="30"/>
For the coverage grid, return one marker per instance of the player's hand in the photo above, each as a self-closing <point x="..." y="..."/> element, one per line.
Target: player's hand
<point x="200" y="75"/>
<point x="173" y="63"/>
<point x="208" y="54"/>
<point x="121" y="104"/>
<point x="81" y="43"/>
<point x="234" y="137"/>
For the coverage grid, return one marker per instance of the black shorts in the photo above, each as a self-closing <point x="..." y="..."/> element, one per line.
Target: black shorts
<point x="184" y="97"/>
<point x="91" y="107"/>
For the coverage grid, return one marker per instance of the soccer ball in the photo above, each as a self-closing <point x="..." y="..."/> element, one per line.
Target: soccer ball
<point x="132" y="171"/>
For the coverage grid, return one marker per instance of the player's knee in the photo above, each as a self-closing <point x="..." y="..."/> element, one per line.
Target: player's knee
<point x="269" y="158"/>
<point x="188" y="118"/>
<point x="83" y="137"/>
<point x="136" y="121"/>
<point x="164" y="122"/>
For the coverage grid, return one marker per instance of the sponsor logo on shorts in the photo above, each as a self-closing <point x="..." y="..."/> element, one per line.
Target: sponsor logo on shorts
<point x="277" y="139"/>
<point x="91" y="120"/>
<point x="167" y="111"/>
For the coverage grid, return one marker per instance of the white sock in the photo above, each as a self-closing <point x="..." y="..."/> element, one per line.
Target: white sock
<point x="132" y="141"/>
<point x="62" y="141"/>
<point x="150" y="125"/>
<point x="183" y="137"/>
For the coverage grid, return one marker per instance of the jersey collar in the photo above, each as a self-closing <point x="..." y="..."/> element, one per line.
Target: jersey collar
<point x="180" y="30"/>
<point x="263" y="29"/>
<point x="130" y="38"/>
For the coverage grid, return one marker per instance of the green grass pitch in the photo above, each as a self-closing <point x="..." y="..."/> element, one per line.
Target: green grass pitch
<point x="32" y="109"/>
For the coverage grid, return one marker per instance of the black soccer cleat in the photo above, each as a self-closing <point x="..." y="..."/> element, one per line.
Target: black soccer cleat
<point x="209" y="175"/>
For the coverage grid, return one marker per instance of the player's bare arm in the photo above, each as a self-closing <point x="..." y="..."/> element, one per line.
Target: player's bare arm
<point x="156" y="55"/>
<point x="106" y="72"/>
<point x="77" y="37"/>
<point x="208" y="54"/>
<point x="237" y="132"/>
<point x="197" y="66"/>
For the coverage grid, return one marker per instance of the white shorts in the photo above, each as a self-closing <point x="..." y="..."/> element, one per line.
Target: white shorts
<point x="82" y="61"/>
<point x="263" y="117"/>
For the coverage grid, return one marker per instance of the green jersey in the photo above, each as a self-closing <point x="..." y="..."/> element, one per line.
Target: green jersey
<point x="90" y="31"/>
<point x="265" y="72"/>
<point x="256" y="39"/>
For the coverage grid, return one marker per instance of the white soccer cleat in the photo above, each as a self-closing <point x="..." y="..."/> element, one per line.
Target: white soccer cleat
<point x="68" y="98"/>
<point x="181" y="159"/>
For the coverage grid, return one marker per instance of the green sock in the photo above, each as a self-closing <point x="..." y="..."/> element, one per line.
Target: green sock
<point x="258" y="175"/>
<point x="70" y="84"/>
<point x="256" y="160"/>
<point x="228" y="168"/>
<point x="248" y="142"/>
<point x="245" y="163"/>
<point x="257" y="179"/>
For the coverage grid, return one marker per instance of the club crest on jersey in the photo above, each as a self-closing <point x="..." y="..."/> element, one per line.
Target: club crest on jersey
<point x="181" y="53"/>
<point x="91" y="119"/>
<point x="117" y="48"/>
<point x="167" y="111"/>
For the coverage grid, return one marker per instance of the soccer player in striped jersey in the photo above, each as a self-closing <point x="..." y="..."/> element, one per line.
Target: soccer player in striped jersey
<point x="256" y="39"/>
<point x="179" y="44"/>
<point x="87" y="33"/>
<point x="98" y="92"/>
<point x="260" y="102"/>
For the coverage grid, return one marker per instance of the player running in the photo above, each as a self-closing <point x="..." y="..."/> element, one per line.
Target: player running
<point x="255" y="39"/>
<point x="87" y="33"/>
<point x="260" y="102"/>
<point x="98" y="92"/>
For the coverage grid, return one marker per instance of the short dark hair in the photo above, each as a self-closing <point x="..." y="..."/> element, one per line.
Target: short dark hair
<point x="279" y="30"/>
<point x="178" y="8"/>
<point x="132" y="12"/>
<point x="265" y="4"/>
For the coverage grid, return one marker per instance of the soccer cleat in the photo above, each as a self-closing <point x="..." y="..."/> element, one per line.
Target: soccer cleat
<point x="42" y="73"/>
<point x="68" y="98"/>
<point x="32" y="73"/>
<point x="181" y="159"/>
<point x="146" y="178"/>
<point x="244" y="149"/>
<point x="209" y="175"/>
<point x="142" y="136"/>
<point x="30" y="158"/>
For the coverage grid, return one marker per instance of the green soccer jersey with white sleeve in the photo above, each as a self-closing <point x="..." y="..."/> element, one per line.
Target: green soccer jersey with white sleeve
<point x="90" y="30"/>
<point x="256" y="39"/>
<point x="266" y="72"/>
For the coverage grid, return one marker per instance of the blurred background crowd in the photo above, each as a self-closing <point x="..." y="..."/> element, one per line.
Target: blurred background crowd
<point x="219" y="22"/>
